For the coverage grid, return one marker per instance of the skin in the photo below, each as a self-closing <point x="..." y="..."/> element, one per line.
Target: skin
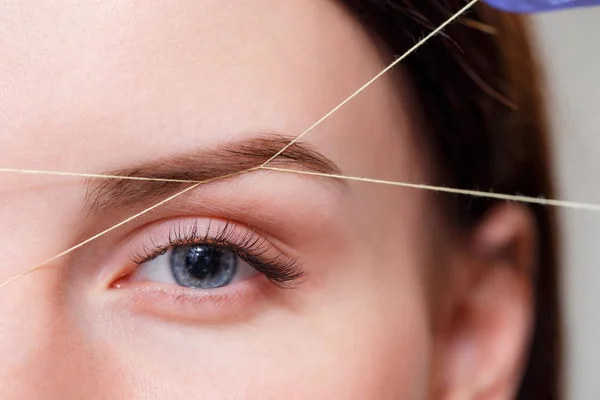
<point x="394" y="303"/>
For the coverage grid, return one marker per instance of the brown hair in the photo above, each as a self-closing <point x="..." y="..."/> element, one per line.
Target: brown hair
<point x="479" y="86"/>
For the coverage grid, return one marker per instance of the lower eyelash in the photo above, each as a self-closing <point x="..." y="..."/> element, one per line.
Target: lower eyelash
<point x="249" y="246"/>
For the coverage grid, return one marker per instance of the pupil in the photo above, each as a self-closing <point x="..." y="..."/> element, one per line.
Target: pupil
<point x="201" y="266"/>
<point x="202" y="262"/>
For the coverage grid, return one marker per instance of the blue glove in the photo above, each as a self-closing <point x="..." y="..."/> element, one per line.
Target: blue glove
<point x="536" y="6"/>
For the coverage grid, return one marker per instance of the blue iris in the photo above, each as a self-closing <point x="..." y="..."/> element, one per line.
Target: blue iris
<point x="203" y="266"/>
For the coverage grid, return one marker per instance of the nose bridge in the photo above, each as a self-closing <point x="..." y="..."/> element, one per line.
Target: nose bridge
<point x="42" y="351"/>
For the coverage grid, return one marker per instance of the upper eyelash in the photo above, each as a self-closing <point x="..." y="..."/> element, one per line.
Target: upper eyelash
<point x="250" y="247"/>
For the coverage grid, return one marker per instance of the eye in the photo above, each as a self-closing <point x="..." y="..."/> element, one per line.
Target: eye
<point x="201" y="270"/>
<point x="208" y="254"/>
<point x="198" y="266"/>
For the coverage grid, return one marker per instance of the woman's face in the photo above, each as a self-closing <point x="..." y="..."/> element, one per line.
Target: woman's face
<point x="194" y="90"/>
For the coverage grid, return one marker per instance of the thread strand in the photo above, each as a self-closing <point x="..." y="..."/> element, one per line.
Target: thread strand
<point x="444" y="189"/>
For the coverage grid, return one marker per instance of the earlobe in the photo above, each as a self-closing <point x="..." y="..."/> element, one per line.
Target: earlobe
<point x="486" y="342"/>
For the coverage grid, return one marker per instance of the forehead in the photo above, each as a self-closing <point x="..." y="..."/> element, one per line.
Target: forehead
<point x="87" y="76"/>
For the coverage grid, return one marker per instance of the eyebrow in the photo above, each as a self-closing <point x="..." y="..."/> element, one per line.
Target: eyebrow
<point x="199" y="165"/>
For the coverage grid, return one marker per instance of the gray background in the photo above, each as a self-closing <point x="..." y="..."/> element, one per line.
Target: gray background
<point x="570" y="50"/>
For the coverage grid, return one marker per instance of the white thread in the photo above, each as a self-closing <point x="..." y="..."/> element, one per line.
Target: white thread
<point x="86" y="175"/>
<point x="475" y="193"/>
<point x="466" y="192"/>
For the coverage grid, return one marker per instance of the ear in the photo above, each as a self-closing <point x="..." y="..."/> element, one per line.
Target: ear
<point x="486" y="339"/>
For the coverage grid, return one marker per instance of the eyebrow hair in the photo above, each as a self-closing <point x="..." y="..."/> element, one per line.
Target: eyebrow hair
<point x="200" y="165"/>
